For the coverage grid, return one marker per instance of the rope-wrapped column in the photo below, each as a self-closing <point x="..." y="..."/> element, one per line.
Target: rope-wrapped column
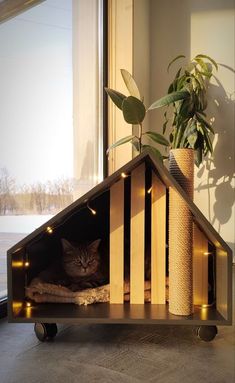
<point x="181" y="234"/>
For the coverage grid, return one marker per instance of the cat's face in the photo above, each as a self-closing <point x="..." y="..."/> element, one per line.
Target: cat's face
<point x="80" y="260"/>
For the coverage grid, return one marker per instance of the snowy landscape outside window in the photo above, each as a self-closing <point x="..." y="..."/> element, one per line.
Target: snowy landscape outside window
<point x="44" y="120"/>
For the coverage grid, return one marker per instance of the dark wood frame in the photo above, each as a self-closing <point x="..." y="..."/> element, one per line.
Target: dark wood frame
<point x="146" y="313"/>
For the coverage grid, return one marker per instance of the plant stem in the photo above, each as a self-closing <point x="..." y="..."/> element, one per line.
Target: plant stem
<point x="140" y="137"/>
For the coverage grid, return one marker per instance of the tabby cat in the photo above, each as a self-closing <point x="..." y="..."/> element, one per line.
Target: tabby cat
<point x="79" y="268"/>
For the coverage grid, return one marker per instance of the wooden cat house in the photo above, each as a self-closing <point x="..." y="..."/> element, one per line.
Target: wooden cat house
<point x="128" y="211"/>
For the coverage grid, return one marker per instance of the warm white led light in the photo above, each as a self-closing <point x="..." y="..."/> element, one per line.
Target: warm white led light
<point x="124" y="175"/>
<point x="49" y="230"/>
<point x="149" y="190"/>
<point x="17" y="264"/>
<point x="26" y="264"/>
<point x="93" y="211"/>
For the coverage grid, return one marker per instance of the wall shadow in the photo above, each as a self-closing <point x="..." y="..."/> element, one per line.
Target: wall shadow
<point x="220" y="166"/>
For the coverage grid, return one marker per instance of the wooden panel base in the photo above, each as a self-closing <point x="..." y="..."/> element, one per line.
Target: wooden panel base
<point x="123" y="313"/>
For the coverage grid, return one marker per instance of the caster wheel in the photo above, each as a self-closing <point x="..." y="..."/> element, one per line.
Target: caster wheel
<point x="206" y="333"/>
<point x="45" y="331"/>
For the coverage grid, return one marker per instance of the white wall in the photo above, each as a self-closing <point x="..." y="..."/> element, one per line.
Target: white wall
<point x="192" y="27"/>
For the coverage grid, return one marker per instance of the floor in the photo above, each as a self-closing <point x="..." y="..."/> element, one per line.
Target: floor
<point x="116" y="353"/>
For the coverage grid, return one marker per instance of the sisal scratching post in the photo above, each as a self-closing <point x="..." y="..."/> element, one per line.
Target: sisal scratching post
<point x="181" y="234"/>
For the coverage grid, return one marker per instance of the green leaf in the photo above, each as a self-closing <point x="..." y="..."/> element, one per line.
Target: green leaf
<point x="176" y="58"/>
<point x="198" y="149"/>
<point x="198" y="156"/>
<point x="204" y="122"/>
<point x="207" y="138"/>
<point x="136" y="145"/>
<point x="130" y="84"/>
<point x="187" y="108"/>
<point x="169" y="99"/>
<point x="181" y="82"/>
<point x="120" y="142"/>
<point x="178" y="74"/>
<point x="206" y="74"/>
<point x="174" y="85"/>
<point x="202" y="100"/>
<point x="189" y="130"/>
<point x="116" y="97"/>
<point x="200" y="79"/>
<point x="208" y="58"/>
<point x="153" y="150"/>
<point x="164" y="126"/>
<point x="192" y="139"/>
<point x="133" y="110"/>
<point x="157" y="138"/>
<point x="171" y="88"/>
<point x="178" y="136"/>
<point x="204" y="67"/>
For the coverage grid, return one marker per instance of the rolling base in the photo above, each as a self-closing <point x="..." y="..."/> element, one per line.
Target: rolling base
<point x="48" y="331"/>
<point x="206" y="333"/>
<point x="45" y="331"/>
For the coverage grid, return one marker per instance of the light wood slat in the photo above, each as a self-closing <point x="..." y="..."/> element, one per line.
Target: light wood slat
<point x="117" y="242"/>
<point x="158" y="242"/>
<point x="137" y="235"/>
<point x="200" y="267"/>
<point x="223" y="295"/>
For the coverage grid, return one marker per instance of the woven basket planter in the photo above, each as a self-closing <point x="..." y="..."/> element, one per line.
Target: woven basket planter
<point x="181" y="234"/>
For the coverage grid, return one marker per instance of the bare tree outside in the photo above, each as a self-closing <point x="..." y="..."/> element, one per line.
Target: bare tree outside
<point x="38" y="198"/>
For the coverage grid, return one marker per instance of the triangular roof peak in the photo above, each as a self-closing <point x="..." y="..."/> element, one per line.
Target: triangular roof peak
<point x="162" y="172"/>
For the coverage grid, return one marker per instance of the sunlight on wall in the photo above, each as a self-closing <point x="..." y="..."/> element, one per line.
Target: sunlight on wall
<point x="193" y="27"/>
<point x="212" y="32"/>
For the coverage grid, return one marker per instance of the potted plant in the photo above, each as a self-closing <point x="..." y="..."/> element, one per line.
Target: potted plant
<point x="134" y="112"/>
<point x="189" y="127"/>
<point x="189" y="140"/>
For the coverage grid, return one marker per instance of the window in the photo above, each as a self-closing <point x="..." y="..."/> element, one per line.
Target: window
<point x="51" y="120"/>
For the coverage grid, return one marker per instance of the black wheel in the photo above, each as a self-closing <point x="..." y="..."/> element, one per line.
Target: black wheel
<point x="45" y="331"/>
<point x="206" y="333"/>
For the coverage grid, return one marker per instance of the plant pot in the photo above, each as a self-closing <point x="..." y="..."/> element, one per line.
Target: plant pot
<point x="181" y="166"/>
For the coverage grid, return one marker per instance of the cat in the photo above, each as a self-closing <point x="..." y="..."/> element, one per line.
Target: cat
<point x="80" y="266"/>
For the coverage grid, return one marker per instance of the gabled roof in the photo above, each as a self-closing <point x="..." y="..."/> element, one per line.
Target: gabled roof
<point x="166" y="178"/>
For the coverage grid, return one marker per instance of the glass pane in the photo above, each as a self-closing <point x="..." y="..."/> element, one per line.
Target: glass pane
<point x="36" y="129"/>
<point x="51" y="114"/>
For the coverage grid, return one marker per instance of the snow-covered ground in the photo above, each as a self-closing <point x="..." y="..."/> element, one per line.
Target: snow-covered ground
<point x="12" y="230"/>
<point x="21" y="223"/>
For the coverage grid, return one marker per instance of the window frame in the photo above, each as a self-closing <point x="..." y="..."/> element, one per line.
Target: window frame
<point x="104" y="82"/>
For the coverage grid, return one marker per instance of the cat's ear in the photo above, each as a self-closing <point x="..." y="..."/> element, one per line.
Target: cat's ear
<point x="93" y="247"/>
<point x="67" y="246"/>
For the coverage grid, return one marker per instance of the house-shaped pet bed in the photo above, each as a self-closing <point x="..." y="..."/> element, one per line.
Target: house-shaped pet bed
<point x="128" y="211"/>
